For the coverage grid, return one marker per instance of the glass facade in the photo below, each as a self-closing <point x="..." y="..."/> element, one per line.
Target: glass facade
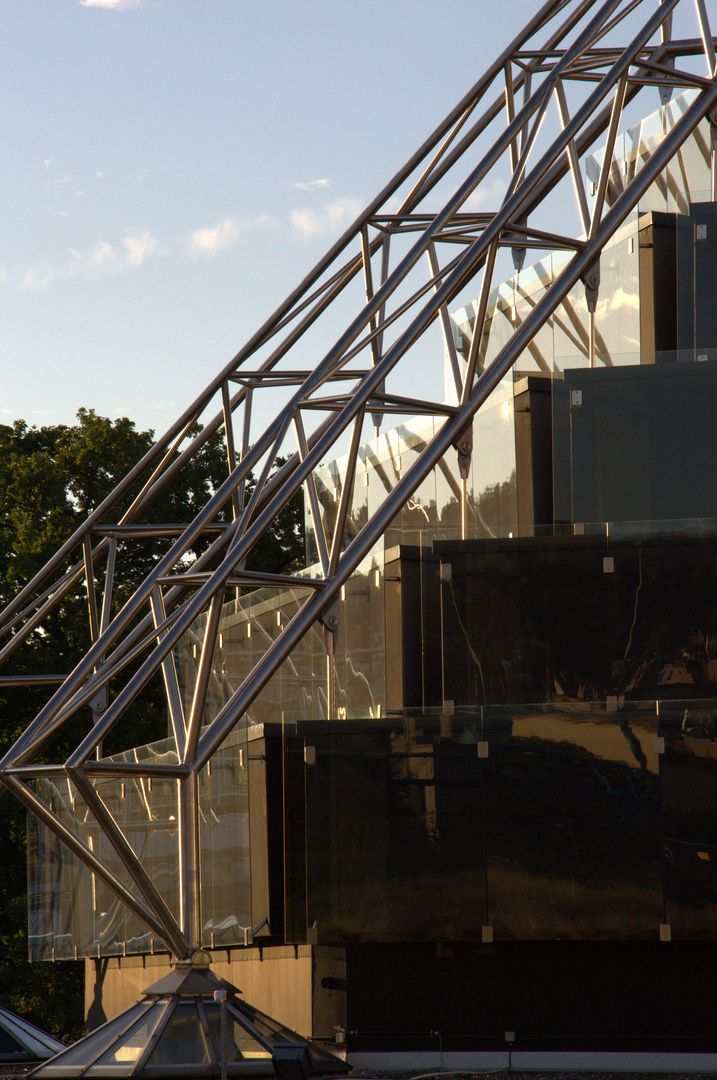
<point x="513" y="735"/>
<point x="565" y="821"/>
<point x="72" y="913"/>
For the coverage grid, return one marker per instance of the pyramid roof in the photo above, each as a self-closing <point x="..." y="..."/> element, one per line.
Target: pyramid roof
<point x="188" y="1023"/>
<point x="22" y="1041"/>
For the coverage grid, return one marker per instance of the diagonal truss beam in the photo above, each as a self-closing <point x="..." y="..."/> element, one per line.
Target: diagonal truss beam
<point x="399" y="232"/>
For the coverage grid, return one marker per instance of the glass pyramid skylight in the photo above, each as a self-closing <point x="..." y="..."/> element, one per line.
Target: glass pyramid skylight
<point x="22" y="1041"/>
<point x="177" y="1029"/>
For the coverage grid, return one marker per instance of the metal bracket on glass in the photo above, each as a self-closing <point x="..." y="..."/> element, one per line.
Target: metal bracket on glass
<point x="250" y="932"/>
<point x="98" y="704"/>
<point x="666" y="88"/>
<point x="464" y="449"/>
<point x="518" y="253"/>
<point x="330" y="622"/>
<point x="591" y="281"/>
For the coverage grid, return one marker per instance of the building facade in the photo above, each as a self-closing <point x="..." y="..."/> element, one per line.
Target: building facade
<point x="517" y="785"/>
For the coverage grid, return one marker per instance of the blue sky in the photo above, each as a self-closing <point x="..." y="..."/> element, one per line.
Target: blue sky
<point x="171" y="168"/>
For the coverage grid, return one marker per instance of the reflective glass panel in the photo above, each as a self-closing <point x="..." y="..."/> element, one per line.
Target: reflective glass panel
<point x="689" y="797"/>
<point x="238" y="1043"/>
<point x="88" y="1049"/>
<point x="129" y="1048"/>
<point x="182" y="1042"/>
<point x="572" y="823"/>
<point x="393" y="831"/>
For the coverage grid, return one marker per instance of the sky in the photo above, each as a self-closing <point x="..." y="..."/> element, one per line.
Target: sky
<point x="172" y="168"/>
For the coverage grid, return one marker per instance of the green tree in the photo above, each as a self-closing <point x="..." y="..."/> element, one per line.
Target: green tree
<point x="51" y="478"/>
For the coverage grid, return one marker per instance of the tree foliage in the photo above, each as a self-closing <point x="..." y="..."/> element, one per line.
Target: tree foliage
<point x="51" y="478"/>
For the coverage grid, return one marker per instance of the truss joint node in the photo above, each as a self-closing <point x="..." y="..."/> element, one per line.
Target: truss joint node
<point x="330" y="622"/>
<point x="464" y="450"/>
<point x="591" y="281"/>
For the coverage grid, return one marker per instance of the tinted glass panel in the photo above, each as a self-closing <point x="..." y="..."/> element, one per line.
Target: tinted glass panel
<point x="394" y="830"/>
<point x="182" y="1041"/>
<point x="689" y="794"/>
<point x="573" y="823"/>
<point x="235" y="1040"/>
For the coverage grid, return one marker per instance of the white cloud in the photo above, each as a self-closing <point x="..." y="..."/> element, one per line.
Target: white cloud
<point x="211" y="241"/>
<point x="110" y="5"/>
<point x="311" y="185"/>
<point x="104" y="258"/>
<point x="334" y="217"/>
<point x="101" y="259"/>
<point x="62" y="180"/>
<point x="102" y="254"/>
<point x="491" y="193"/>
<point x="38" y="278"/>
<point x="618" y="300"/>
<point x="139" y="246"/>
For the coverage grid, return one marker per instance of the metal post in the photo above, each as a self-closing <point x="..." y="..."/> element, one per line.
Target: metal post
<point x="189" y="863"/>
<point x="221" y="997"/>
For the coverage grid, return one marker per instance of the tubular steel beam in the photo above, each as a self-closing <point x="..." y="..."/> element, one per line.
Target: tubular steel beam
<point x="397" y="228"/>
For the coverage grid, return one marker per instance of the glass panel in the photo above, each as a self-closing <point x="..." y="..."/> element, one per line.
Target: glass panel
<point x="393" y="843"/>
<point x="60" y="888"/>
<point x="628" y="444"/>
<point x="294" y="810"/>
<point x="129" y="1048"/>
<point x="224" y="843"/>
<point x="516" y="617"/>
<point x="237" y="1042"/>
<point x="665" y="621"/>
<point x="276" y="1032"/>
<point x="573" y="823"/>
<point x="86" y="1051"/>
<point x="688" y="770"/>
<point x="182" y="1042"/>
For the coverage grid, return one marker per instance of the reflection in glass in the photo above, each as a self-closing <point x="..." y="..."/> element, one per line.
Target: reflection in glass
<point x="689" y="794"/>
<point x="182" y="1039"/>
<point x="572" y="823"/>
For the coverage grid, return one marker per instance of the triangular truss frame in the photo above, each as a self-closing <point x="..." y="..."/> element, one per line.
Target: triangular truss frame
<point x="565" y="51"/>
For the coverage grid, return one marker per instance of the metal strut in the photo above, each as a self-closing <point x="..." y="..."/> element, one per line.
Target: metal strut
<point x="414" y="261"/>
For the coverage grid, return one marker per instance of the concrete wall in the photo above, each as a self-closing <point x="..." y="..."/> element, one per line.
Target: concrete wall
<point x="283" y="981"/>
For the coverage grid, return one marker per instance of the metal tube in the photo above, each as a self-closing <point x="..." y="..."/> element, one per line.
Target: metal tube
<point x="201" y="683"/>
<point x="90" y="581"/>
<point x="578" y="185"/>
<point x="456" y="280"/>
<point x="448" y="341"/>
<point x="190" y="891"/>
<point x="229" y="440"/>
<point x="171" y="685"/>
<point x="346" y="493"/>
<point x="706" y="38"/>
<point x="128" y="858"/>
<point x="617" y="107"/>
<point x="110" y="769"/>
<point x="486" y="383"/>
<point x="479" y="322"/>
<point x="314" y="507"/>
<point x="179" y="944"/>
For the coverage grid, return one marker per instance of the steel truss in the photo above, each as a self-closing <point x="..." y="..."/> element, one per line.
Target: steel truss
<point x="562" y="69"/>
